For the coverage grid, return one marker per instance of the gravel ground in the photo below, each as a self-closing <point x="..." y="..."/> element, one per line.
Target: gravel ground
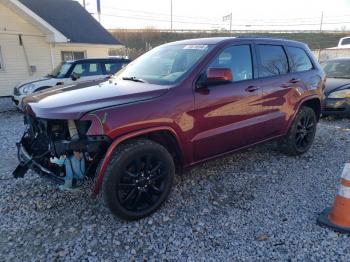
<point x="6" y="104"/>
<point x="257" y="204"/>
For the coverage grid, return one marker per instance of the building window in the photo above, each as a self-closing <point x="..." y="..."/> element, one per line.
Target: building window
<point x="1" y="61"/>
<point x="72" y="55"/>
<point x="113" y="52"/>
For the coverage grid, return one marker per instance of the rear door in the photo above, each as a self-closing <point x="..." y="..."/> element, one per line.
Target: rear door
<point x="302" y="70"/>
<point x="228" y="116"/>
<point x="278" y="86"/>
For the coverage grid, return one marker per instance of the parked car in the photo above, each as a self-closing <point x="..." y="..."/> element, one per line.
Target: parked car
<point x="337" y="91"/>
<point x="70" y="72"/>
<point x="178" y="105"/>
<point x="344" y="42"/>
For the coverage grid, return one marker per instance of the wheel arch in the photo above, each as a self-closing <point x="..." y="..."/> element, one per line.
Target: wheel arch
<point x="164" y="135"/>
<point x="315" y="104"/>
<point x="311" y="101"/>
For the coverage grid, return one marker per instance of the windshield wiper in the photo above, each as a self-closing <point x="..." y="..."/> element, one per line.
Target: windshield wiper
<point x="133" y="78"/>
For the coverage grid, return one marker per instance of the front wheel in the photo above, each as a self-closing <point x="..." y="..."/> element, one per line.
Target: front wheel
<point x="301" y="133"/>
<point x="138" y="179"/>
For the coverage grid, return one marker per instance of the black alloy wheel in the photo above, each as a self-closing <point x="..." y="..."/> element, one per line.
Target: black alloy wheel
<point x="301" y="133"/>
<point x="141" y="183"/>
<point x="304" y="132"/>
<point x="138" y="179"/>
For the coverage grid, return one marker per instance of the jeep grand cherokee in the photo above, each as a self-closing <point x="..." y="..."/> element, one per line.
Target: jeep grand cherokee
<point x="178" y="105"/>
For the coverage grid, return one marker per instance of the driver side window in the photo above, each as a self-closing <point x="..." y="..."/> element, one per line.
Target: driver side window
<point x="238" y="58"/>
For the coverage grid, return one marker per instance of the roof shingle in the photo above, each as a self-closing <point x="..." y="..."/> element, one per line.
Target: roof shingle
<point x="72" y="20"/>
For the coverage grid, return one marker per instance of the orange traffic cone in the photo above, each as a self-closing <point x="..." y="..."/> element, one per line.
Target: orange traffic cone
<point x="338" y="217"/>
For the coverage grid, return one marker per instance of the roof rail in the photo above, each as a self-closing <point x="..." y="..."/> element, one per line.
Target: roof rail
<point x="258" y="36"/>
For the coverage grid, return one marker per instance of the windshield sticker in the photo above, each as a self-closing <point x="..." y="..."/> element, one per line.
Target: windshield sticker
<point x="197" y="47"/>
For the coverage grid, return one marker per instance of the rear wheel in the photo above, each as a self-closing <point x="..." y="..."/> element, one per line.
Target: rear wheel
<point x="138" y="179"/>
<point x="301" y="133"/>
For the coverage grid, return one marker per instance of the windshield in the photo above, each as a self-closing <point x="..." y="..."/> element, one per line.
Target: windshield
<point x="164" y="65"/>
<point x="337" y="68"/>
<point x="61" y="70"/>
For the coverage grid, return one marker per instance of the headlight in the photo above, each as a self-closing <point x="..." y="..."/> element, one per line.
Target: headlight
<point x="340" y="94"/>
<point x="28" y="88"/>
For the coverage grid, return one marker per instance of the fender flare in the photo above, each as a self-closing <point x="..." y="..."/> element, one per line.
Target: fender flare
<point x="118" y="141"/>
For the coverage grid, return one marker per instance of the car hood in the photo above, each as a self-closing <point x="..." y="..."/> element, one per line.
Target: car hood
<point x="32" y="81"/>
<point x="334" y="84"/>
<point x="73" y="101"/>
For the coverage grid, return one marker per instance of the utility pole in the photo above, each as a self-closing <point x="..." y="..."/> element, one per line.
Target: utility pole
<point x="84" y="4"/>
<point x="171" y="15"/>
<point x="319" y="49"/>
<point x="98" y="3"/>
<point x="227" y="18"/>
<point x="321" y="22"/>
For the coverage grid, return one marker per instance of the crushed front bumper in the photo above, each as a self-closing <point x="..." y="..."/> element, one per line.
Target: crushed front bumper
<point x="336" y="107"/>
<point x="26" y="162"/>
<point x="93" y="144"/>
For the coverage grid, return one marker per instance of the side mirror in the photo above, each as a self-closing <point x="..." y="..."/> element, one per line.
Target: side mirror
<point x="216" y="76"/>
<point x="75" y="76"/>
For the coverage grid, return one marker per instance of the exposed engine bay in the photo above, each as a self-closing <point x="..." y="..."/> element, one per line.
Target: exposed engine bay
<point x="60" y="150"/>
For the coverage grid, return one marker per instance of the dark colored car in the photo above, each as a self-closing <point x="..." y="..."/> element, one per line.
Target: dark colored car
<point x="178" y="105"/>
<point x="337" y="91"/>
<point x="70" y="72"/>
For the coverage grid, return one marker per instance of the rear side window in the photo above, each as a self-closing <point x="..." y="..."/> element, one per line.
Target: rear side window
<point x="87" y="69"/>
<point x="238" y="59"/>
<point x="112" y="68"/>
<point x="345" y="41"/>
<point x="273" y="60"/>
<point x="299" y="60"/>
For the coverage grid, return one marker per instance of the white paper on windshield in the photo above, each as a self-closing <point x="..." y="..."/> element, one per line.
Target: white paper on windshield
<point x="197" y="47"/>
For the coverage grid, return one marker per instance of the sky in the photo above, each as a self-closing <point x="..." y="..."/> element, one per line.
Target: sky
<point x="208" y="15"/>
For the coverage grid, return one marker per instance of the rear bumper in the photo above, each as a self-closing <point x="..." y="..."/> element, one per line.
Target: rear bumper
<point x="336" y="107"/>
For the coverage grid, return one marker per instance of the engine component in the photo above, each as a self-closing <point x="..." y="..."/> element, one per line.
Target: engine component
<point x="74" y="167"/>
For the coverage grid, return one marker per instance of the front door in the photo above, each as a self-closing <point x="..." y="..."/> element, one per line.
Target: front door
<point x="228" y="116"/>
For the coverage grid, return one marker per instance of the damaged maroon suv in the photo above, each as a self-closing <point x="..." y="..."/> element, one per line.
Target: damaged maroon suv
<point x="178" y="105"/>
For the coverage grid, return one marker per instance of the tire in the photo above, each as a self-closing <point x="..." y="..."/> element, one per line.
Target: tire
<point x="138" y="179"/>
<point x="301" y="133"/>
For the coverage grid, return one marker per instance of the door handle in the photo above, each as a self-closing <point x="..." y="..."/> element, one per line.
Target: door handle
<point x="59" y="83"/>
<point x="251" y="88"/>
<point x="290" y="83"/>
<point x="286" y="85"/>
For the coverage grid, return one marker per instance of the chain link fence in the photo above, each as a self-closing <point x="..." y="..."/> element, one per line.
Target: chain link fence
<point x="325" y="54"/>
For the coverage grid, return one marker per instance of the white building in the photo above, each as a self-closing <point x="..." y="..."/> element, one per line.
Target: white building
<point x="37" y="35"/>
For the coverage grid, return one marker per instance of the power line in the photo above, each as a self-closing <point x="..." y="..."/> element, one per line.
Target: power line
<point x="159" y="14"/>
<point x="217" y="19"/>
<point x="222" y="24"/>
